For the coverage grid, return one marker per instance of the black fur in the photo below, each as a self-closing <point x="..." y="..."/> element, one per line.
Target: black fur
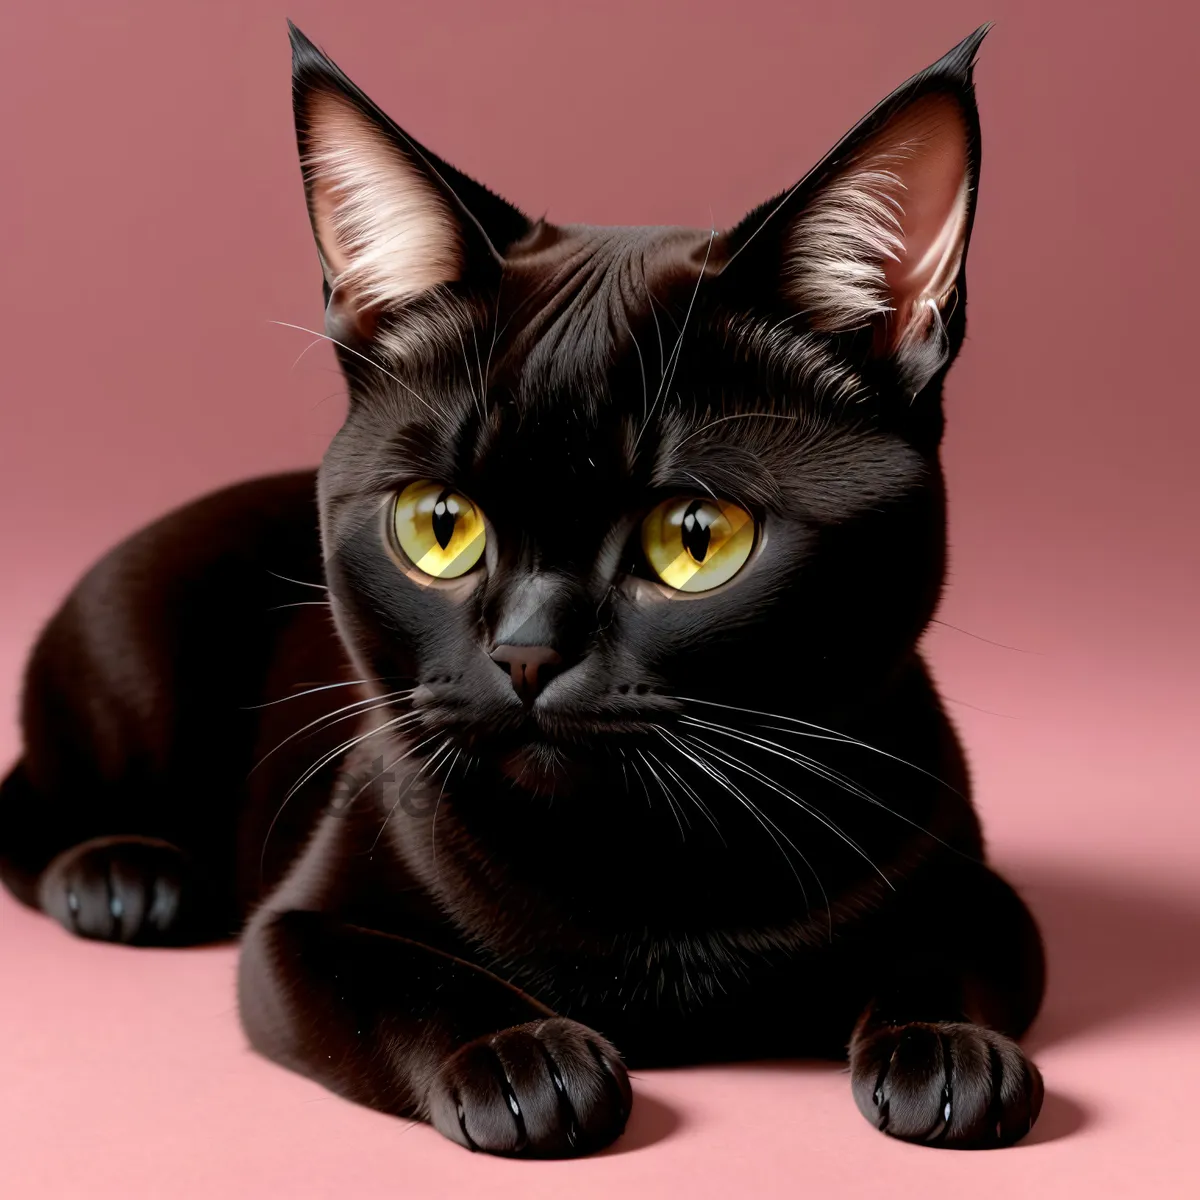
<point x="732" y="824"/>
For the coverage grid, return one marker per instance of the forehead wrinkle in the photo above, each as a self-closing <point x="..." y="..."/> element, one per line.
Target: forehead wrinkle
<point x="710" y="452"/>
<point x="429" y="396"/>
<point x="486" y="433"/>
<point x="810" y="465"/>
<point x="727" y="472"/>
<point x="420" y="447"/>
<point x="581" y="300"/>
<point x="574" y="391"/>
<point x="566" y="329"/>
<point x="791" y="360"/>
<point x="752" y="454"/>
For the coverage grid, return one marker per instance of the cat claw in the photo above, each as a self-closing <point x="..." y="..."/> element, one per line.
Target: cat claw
<point x="128" y="890"/>
<point x="549" y="1089"/>
<point x="956" y="1085"/>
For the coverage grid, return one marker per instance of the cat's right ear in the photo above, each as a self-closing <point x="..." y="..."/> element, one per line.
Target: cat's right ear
<point x="392" y="221"/>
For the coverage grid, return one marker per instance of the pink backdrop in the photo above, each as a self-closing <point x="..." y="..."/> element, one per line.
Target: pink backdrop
<point x="154" y="228"/>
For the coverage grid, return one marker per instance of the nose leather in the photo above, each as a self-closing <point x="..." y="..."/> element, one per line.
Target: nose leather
<point x="529" y="667"/>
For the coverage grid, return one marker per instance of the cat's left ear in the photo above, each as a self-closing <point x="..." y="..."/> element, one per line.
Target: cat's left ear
<point x="875" y="238"/>
<point x="392" y="221"/>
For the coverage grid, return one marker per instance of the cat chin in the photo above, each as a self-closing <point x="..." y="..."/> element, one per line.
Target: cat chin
<point x="542" y="769"/>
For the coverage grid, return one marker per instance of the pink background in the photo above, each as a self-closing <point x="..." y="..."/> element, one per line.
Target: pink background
<point x="154" y="227"/>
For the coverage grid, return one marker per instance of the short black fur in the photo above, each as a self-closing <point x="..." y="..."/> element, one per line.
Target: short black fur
<point x="489" y="839"/>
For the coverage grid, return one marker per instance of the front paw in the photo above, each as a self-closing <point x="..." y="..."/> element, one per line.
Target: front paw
<point x="956" y="1085"/>
<point x="548" y="1089"/>
<point x="118" y="889"/>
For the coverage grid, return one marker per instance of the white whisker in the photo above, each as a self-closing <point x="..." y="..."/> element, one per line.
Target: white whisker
<point x="412" y="780"/>
<point x="645" y="788"/>
<point x="815" y="767"/>
<point x="433" y="824"/>
<point x="478" y="402"/>
<point x="773" y="831"/>
<point x="666" y="792"/>
<point x="322" y="762"/>
<point x="641" y="368"/>
<point x="672" y="364"/>
<point x="355" y="708"/>
<point x="832" y="735"/>
<point x="299" y="582"/>
<point x="369" y="361"/>
<point x="307" y="692"/>
<point x="786" y="753"/>
<point x="738" y="764"/>
<point x="692" y="794"/>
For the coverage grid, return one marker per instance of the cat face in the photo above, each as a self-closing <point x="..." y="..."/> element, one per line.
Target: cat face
<point x="589" y="472"/>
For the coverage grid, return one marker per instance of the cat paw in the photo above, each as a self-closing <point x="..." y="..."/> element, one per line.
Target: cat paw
<point x="954" y="1085"/>
<point x="122" y="889"/>
<point x="548" y="1089"/>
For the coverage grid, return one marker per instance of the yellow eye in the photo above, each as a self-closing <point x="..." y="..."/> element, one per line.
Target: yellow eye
<point x="695" y="545"/>
<point x="439" y="529"/>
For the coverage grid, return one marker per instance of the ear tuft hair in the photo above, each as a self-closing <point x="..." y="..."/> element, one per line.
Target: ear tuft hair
<point x="836" y="248"/>
<point x="876" y="236"/>
<point x="885" y="236"/>
<point x="384" y="233"/>
<point x="392" y="220"/>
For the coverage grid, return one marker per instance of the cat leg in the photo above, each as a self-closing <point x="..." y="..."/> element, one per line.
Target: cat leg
<point x="409" y="1030"/>
<point x="933" y="1057"/>
<point x="326" y="989"/>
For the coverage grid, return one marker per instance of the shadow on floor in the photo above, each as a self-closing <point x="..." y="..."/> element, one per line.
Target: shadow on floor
<point x="651" y="1121"/>
<point x="1115" y="949"/>
<point x="1061" y="1117"/>
<point x="1118" y="950"/>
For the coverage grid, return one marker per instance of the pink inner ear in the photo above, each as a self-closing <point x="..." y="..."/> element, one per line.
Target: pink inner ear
<point x="927" y="146"/>
<point x="384" y="233"/>
<point x="881" y="241"/>
<point x="324" y="205"/>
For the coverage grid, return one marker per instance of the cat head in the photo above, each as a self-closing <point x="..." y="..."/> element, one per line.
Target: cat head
<point x="590" y="472"/>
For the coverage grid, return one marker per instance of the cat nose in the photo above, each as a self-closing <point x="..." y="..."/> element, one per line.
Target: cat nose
<point x="529" y="667"/>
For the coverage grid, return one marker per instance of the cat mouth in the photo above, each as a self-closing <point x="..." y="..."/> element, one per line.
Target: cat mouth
<point x="541" y="767"/>
<point x="552" y="757"/>
<point x="550" y="753"/>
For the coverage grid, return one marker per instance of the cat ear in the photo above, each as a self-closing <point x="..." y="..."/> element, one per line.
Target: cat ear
<point x="876" y="236"/>
<point x="392" y="220"/>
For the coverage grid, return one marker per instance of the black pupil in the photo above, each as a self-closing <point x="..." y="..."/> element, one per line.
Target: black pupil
<point x="445" y="513"/>
<point x="695" y="533"/>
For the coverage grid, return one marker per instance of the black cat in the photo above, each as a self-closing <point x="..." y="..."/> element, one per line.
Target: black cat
<point x="605" y="728"/>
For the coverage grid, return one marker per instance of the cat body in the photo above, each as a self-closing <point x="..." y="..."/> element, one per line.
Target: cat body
<point x="571" y="716"/>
